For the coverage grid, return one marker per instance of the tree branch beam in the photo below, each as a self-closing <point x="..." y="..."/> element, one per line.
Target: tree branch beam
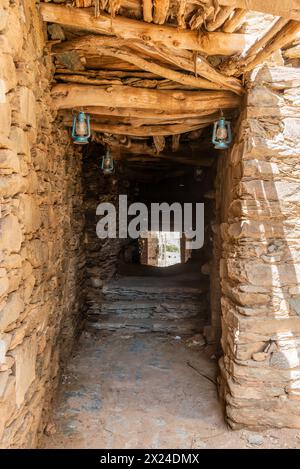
<point x="215" y="43"/>
<point x="161" y="8"/>
<point x="69" y="96"/>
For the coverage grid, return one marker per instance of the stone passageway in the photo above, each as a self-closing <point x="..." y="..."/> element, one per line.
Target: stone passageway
<point x="133" y="390"/>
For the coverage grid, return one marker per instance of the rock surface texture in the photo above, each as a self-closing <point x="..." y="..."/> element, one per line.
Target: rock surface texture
<point x="260" y="370"/>
<point x="40" y="230"/>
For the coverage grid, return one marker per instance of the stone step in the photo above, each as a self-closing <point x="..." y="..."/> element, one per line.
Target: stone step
<point x="178" y="327"/>
<point x="147" y="309"/>
<point x="133" y="293"/>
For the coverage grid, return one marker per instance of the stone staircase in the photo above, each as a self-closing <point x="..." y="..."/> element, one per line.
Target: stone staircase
<point x="144" y="304"/>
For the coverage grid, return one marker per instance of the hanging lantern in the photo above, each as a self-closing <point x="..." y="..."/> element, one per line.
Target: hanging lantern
<point x="107" y="165"/>
<point x="81" y="130"/>
<point x="222" y="136"/>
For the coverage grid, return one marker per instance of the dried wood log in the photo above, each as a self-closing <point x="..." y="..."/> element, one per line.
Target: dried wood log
<point x="161" y="8"/>
<point x="283" y="37"/>
<point x="181" y="14"/>
<point x="215" y="43"/>
<point x="147" y="11"/>
<point x="143" y="131"/>
<point x="159" y="143"/>
<point x="196" y="64"/>
<point x="170" y="74"/>
<point x="201" y="15"/>
<point x="236" y="66"/>
<point x="113" y="74"/>
<point x="220" y="18"/>
<point x="175" y="142"/>
<point x="69" y="96"/>
<point x="292" y="52"/>
<point x="146" y="113"/>
<point x="186" y="61"/>
<point x="234" y="22"/>
<point x="287" y="9"/>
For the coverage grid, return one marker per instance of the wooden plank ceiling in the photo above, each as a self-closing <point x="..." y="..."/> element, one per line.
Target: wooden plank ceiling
<point x="154" y="74"/>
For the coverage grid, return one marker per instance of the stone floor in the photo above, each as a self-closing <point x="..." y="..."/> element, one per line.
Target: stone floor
<point x="146" y="391"/>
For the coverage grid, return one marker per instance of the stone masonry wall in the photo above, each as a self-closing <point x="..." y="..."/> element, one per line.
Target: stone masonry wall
<point x="40" y="230"/>
<point x="260" y="265"/>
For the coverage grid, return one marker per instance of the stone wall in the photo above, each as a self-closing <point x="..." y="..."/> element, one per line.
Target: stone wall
<point x="40" y="230"/>
<point x="101" y="254"/>
<point x="260" y="265"/>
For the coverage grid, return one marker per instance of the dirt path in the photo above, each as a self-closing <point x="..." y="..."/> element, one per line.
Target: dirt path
<point x="138" y="391"/>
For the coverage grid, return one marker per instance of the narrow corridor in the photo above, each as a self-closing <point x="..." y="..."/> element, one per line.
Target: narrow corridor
<point x="124" y="390"/>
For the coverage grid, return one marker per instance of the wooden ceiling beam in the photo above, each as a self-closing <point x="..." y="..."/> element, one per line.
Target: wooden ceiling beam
<point x="161" y="9"/>
<point x="68" y="96"/>
<point x="144" y="113"/>
<point x="279" y="35"/>
<point x="147" y="11"/>
<point x="234" y="22"/>
<point x="210" y="78"/>
<point x="220" y="18"/>
<point x="143" y="131"/>
<point x="287" y="9"/>
<point x="215" y="43"/>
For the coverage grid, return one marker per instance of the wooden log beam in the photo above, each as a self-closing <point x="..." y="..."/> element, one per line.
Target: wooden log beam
<point x="215" y="43"/>
<point x="234" y="22"/>
<point x="142" y="122"/>
<point x="147" y="11"/>
<point x="281" y="39"/>
<point x="292" y="52"/>
<point x="173" y="75"/>
<point x="237" y="65"/>
<point x="192" y="63"/>
<point x="143" y="131"/>
<point x="213" y="79"/>
<point x="144" y="113"/>
<point x="287" y="9"/>
<point x="68" y="96"/>
<point x="161" y="8"/>
<point x="220" y="18"/>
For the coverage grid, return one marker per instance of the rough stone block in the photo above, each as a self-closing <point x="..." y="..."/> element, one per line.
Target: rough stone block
<point x="20" y="141"/>
<point x="8" y="72"/>
<point x="12" y="309"/>
<point x="24" y="107"/>
<point x="29" y="212"/>
<point x="10" y="234"/>
<point x="9" y="161"/>
<point x="5" y="120"/>
<point x="11" y="185"/>
<point x="5" y="340"/>
<point x="25" y="360"/>
<point x="37" y="252"/>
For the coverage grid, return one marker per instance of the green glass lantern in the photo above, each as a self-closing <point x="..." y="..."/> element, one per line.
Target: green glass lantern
<point x="222" y="136"/>
<point x="81" y="130"/>
<point x="107" y="164"/>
